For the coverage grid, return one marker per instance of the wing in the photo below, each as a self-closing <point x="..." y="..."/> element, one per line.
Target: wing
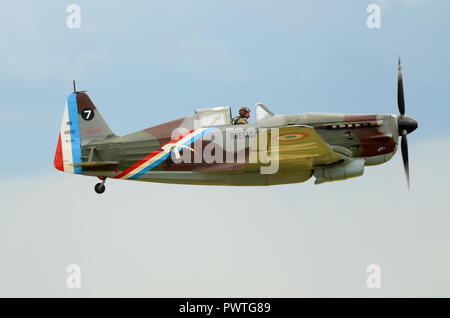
<point x="297" y="146"/>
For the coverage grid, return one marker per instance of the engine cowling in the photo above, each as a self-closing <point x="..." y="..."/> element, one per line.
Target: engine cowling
<point x="348" y="169"/>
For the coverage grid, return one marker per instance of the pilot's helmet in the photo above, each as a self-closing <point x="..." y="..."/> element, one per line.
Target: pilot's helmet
<point x="244" y="112"/>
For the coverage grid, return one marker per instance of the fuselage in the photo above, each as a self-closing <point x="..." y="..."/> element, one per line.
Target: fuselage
<point x="370" y="137"/>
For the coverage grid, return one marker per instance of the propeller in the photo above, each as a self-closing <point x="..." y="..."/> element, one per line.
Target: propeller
<point x="406" y="125"/>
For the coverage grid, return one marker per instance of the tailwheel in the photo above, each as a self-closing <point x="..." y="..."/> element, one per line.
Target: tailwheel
<point x="100" y="187"/>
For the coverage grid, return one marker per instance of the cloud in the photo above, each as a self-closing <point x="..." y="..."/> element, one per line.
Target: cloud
<point x="144" y="239"/>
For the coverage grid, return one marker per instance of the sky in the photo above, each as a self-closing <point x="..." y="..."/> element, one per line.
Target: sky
<point x="152" y="61"/>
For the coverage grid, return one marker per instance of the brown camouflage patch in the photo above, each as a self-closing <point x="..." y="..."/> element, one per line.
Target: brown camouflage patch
<point x="373" y="142"/>
<point x="84" y="101"/>
<point x="164" y="131"/>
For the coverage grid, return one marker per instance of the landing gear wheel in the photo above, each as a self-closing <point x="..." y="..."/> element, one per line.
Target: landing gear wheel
<point x="100" y="188"/>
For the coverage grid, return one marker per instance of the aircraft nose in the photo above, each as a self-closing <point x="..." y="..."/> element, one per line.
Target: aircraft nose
<point x="406" y="123"/>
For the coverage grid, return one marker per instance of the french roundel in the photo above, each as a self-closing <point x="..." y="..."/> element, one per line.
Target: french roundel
<point x="292" y="136"/>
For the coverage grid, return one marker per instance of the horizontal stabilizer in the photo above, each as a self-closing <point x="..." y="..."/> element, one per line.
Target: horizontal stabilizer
<point x="95" y="164"/>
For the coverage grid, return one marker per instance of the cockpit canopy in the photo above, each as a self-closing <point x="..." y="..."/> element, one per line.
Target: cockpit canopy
<point x="221" y="116"/>
<point x="217" y="116"/>
<point x="262" y="112"/>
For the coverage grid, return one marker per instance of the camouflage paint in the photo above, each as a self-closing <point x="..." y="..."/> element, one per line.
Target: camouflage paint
<point x="362" y="136"/>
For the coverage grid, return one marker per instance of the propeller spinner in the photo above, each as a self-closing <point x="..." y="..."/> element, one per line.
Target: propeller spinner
<point x="406" y="125"/>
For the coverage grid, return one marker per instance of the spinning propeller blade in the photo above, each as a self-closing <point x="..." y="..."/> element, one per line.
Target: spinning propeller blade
<point x="406" y="125"/>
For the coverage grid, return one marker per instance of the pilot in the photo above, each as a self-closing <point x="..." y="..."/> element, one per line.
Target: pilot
<point x="244" y="114"/>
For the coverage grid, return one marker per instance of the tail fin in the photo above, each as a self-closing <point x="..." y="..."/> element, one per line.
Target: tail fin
<point x="81" y="124"/>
